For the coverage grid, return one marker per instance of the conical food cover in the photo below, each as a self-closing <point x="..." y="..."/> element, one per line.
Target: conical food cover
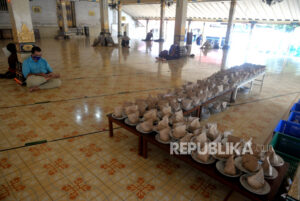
<point x="179" y="131"/>
<point x="229" y="166"/>
<point x="257" y="180"/>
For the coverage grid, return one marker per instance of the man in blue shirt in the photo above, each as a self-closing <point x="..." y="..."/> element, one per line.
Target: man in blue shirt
<point x="38" y="73"/>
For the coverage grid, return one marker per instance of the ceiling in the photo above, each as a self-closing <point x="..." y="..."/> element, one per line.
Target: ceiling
<point x="246" y="10"/>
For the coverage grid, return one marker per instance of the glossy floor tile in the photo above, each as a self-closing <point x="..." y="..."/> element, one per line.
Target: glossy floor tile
<point x="96" y="167"/>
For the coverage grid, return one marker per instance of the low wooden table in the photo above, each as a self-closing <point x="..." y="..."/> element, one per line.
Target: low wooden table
<point x="294" y="192"/>
<point x="131" y="129"/>
<point x="211" y="171"/>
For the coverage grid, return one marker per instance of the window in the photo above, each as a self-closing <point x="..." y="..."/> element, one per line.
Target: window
<point x="3" y="5"/>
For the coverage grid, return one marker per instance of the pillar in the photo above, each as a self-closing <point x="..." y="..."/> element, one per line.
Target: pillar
<point x="104" y="16"/>
<point x="251" y="28"/>
<point x="229" y="24"/>
<point x="180" y="21"/>
<point x="162" y="19"/>
<point x="147" y="25"/>
<point x="23" y="35"/>
<point x="119" y="20"/>
<point x="62" y="18"/>
<point x="166" y="28"/>
<point x="189" y="25"/>
<point x="203" y="34"/>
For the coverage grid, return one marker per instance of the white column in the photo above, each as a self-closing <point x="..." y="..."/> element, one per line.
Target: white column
<point x="64" y="16"/>
<point x="120" y="20"/>
<point x="229" y="24"/>
<point x="147" y="25"/>
<point x="180" y="21"/>
<point x="162" y="19"/>
<point x="104" y="16"/>
<point x="22" y="29"/>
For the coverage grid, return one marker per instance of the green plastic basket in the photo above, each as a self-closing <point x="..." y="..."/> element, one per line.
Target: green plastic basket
<point x="292" y="160"/>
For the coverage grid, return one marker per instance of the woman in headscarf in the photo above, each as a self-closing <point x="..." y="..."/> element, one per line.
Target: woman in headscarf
<point x="12" y="62"/>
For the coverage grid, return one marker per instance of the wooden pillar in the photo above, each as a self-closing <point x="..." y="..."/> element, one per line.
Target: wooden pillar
<point x="120" y="19"/>
<point x="229" y="24"/>
<point x="104" y="16"/>
<point x="162" y="19"/>
<point x="23" y="35"/>
<point x="180" y="20"/>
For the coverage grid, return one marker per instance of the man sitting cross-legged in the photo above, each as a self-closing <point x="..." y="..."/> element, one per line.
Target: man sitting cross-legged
<point x="38" y="73"/>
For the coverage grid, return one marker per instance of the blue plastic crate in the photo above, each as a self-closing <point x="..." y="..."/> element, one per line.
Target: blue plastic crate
<point x="295" y="108"/>
<point x="288" y="128"/>
<point x="294" y="117"/>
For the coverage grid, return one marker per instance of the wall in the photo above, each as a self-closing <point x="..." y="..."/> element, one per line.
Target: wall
<point x="48" y="15"/>
<point x="46" y="21"/>
<point x="4" y="19"/>
<point x="82" y="9"/>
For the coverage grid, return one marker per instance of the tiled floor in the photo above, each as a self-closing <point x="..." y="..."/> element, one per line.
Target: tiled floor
<point x="96" y="167"/>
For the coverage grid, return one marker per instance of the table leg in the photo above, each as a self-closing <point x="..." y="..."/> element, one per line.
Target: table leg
<point x="111" y="129"/>
<point x="145" y="148"/>
<point x="228" y="195"/>
<point x="251" y="86"/>
<point x="141" y="142"/>
<point x="262" y="83"/>
<point x="233" y="95"/>
<point x="199" y="112"/>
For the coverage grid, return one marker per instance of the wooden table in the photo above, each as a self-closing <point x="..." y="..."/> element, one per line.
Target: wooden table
<point x="294" y="191"/>
<point x="211" y="171"/>
<point x="131" y="129"/>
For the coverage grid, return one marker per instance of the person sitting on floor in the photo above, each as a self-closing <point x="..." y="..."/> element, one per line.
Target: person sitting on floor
<point x="109" y="40"/>
<point x="125" y="40"/>
<point x="12" y="62"/>
<point x="207" y="45"/>
<point x="100" y="40"/>
<point x="38" y="73"/>
<point x="174" y="53"/>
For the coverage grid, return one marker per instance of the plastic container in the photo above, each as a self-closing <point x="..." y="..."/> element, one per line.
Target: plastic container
<point x="295" y="108"/>
<point x="284" y="146"/>
<point x="294" y="117"/>
<point x="288" y="128"/>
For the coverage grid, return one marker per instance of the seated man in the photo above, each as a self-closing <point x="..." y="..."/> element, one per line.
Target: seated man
<point x="125" y="40"/>
<point x="12" y="62"/>
<point x="38" y="73"/>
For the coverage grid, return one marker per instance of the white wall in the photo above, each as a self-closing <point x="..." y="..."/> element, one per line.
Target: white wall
<point x="47" y="17"/>
<point x="83" y="18"/>
<point x="4" y="19"/>
<point x="46" y="21"/>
